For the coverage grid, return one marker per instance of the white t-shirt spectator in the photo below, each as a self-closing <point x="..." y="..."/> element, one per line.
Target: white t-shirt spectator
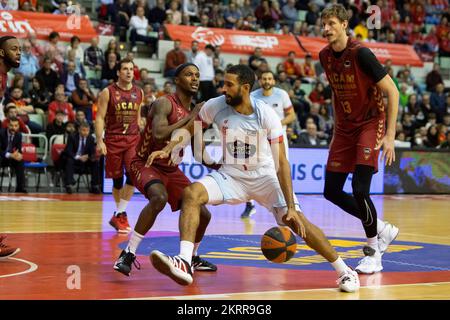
<point x="140" y="24"/>
<point x="205" y="66"/>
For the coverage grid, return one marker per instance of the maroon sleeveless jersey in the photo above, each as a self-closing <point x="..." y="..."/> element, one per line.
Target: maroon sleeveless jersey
<point x="3" y="83"/>
<point x="147" y="144"/>
<point x="123" y="106"/>
<point x="357" y="99"/>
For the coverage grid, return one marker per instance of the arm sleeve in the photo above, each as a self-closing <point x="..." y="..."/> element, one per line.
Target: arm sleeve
<point x="370" y="64"/>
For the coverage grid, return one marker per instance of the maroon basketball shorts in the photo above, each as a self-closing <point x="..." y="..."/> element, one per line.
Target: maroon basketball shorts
<point x="174" y="181"/>
<point x="357" y="147"/>
<point x="120" y="152"/>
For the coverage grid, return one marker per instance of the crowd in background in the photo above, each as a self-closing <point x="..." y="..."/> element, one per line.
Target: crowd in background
<point x="61" y="82"/>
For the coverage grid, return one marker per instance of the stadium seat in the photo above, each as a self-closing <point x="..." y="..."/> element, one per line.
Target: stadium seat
<point x="34" y="160"/>
<point x="302" y="15"/>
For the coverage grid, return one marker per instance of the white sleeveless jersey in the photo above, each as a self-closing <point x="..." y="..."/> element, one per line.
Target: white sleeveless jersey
<point x="245" y="138"/>
<point x="279" y="100"/>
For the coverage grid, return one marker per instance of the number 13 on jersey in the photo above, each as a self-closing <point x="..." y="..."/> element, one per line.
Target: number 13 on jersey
<point x="346" y="106"/>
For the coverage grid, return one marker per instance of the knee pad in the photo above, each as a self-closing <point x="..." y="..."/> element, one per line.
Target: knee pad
<point x="128" y="180"/>
<point x="118" y="183"/>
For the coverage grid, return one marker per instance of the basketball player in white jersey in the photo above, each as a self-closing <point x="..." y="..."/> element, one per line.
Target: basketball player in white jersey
<point x="254" y="167"/>
<point x="279" y="100"/>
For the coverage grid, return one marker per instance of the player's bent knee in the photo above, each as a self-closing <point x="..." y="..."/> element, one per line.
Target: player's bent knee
<point x="205" y="215"/>
<point x="158" y="201"/>
<point x="195" y="193"/>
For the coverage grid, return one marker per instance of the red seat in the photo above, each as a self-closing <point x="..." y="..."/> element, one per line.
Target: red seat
<point x="29" y="152"/>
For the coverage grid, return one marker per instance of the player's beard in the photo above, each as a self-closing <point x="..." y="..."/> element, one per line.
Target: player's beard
<point x="10" y="62"/>
<point x="234" y="101"/>
<point x="267" y="87"/>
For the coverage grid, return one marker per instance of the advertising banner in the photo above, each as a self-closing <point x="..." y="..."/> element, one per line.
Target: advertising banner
<point x="20" y="23"/>
<point x="236" y="41"/>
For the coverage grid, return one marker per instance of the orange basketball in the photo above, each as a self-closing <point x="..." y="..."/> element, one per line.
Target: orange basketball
<point x="278" y="244"/>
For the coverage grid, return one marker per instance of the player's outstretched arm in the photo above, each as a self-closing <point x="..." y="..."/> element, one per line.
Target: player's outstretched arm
<point x="387" y="143"/>
<point x="100" y="119"/>
<point x="284" y="177"/>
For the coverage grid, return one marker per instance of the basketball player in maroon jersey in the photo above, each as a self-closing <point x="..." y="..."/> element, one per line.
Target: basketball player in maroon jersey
<point x="358" y="82"/>
<point x="118" y="114"/>
<point x="160" y="181"/>
<point x="10" y="52"/>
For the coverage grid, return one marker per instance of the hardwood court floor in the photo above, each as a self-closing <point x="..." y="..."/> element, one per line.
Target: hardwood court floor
<point x="58" y="234"/>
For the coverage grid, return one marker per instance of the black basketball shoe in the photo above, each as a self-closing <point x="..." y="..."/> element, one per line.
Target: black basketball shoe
<point x="123" y="264"/>
<point x="200" y="264"/>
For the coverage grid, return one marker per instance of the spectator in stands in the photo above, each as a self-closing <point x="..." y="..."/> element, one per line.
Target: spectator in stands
<point x="62" y="8"/>
<point x="4" y="5"/>
<point x="80" y="117"/>
<point x="403" y="96"/>
<point x="83" y="99"/>
<point x="23" y="109"/>
<point x="267" y="16"/>
<point x="190" y="8"/>
<point x="140" y="3"/>
<point x="218" y="82"/>
<point x="167" y="89"/>
<point x="446" y="143"/>
<point x="11" y="152"/>
<point x="93" y="56"/>
<point x="18" y="81"/>
<point x="27" y="6"/>
<point x="292" y="68"/>
<point x="12" y="113"/>
<point x="60" y="103"/>
<point x="40" y="96"/>
<point x="408" y="124"/>
<point x="139" y="31"/>
<point x="283" y="82"/>
<point x="442" y="29"/>
<point x="109" y="71"/>
<point x="55" y="50"/>
<point x="136" y="73"/>
<point x="204" y="61"/>
<point x="79" y="68"/>
<point x="290" y="15"/>
<point x="70" y="78"/>
<point x="231" y="16"/>
<point x="400" y="140"/>
<point x="157" y="15"/>
<point x="122" y="12"/>
<point x="444" y="46"/>
<point x="36" y="49"/>
<point x="217" y="54"/>
<point x="256" y="59"/>
<point x="442" y="130"/>
<point x="432" y="140"/>
<point x="80" y="154"/>
<point x="327" y="120"/>
<point x="438" y="102"/>
<point x="57" y="126"/>
<point x="75" y="45"/>
<point x="112" y="48"/>
<point x="29" y="63"/>
<point x="215" y="14"/>
<point x="48" y="77"/>
<point x="174" y="12"/>
<point x="247" y="9"/>
<point x="310" y="137"/>
<point x="174" y="58"/>
<point x="308" y="72"/>
<point x="193" y="52"/>
<point x="317" y="95"/>
<point x="313" y="14"/>
<point x="433" y="78"/>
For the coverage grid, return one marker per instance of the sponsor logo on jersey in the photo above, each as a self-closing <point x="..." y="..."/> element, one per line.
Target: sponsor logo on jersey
<point x="367" y="152"/>
<point x="347" y="64"/>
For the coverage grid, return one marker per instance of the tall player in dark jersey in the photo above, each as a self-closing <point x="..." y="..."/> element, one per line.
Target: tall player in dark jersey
<point x="10" y="52"/>
<point x="118" y="114"/>
<point x="358" y="82"/>
<point x="160" y="181"/>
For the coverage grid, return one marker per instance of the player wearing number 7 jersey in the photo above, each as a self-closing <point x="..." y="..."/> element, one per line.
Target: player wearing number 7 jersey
<point x="118" y="115"/>
<point x="358" y="81"/>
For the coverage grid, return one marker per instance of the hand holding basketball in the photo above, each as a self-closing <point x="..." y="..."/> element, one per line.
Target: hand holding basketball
<point x="292" y="220"/>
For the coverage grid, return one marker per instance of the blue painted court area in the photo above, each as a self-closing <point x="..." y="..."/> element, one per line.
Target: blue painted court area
<point x="244" y="250"/>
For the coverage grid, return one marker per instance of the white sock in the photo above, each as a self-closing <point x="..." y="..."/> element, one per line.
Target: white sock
<point x="195" y="252"/>
<point x="373" y="243"/>
<point x="122" y="207"/>
<point x="340" y="266"/>
<point x="380" y="225"/>
<point x="186" y="249"/>
<point x="134" y="242"/>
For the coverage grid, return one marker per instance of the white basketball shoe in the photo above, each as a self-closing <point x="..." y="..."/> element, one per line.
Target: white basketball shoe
<point x="385" y="237"/>
<point x="371" y="263"/>
<point x="348" y="281"/>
